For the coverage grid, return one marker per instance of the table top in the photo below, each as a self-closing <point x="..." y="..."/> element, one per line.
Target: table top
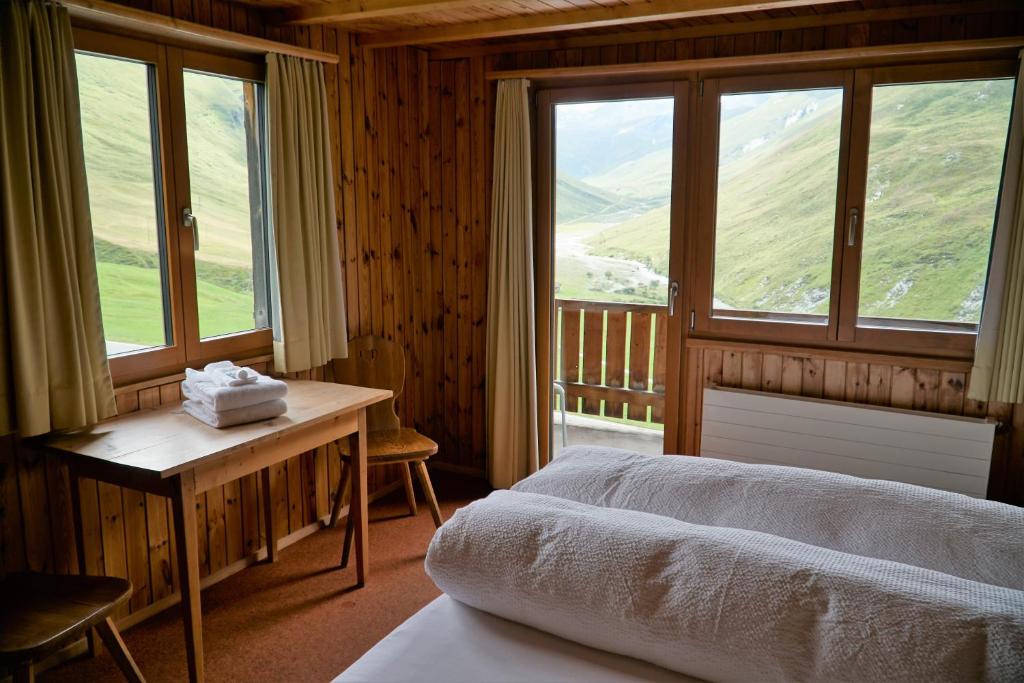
<point x="167" y="440"/>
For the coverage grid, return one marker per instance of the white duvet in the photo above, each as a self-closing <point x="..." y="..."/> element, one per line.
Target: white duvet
<point x="722" y="604"/>
<point x="948" y="532"/>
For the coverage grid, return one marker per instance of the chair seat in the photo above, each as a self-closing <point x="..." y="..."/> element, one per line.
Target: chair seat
<point x="41" y="612"/>
<point x="394" y="445"/>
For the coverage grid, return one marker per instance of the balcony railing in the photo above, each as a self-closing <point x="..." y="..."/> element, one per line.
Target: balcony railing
<point x="610" y="358"/>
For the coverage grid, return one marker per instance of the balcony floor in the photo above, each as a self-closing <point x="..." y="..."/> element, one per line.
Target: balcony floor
<point x="584" y="430"/>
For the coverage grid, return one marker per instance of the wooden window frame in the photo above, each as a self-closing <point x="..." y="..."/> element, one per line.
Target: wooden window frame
<point x="170" y="63"/>
<point x="842" y="329"/>
<point x="683" y="92"/>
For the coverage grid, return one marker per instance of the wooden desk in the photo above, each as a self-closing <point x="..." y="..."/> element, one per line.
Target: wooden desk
<point x="169" y="453"/>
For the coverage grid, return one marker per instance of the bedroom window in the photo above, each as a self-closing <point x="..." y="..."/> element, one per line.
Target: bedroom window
<point x="120" y="136"/>
<point x="851" y="208"/>
<point x="778" y="168"/>
<point x="934" y="167"/>
<point x="224" y="126"/>
<point x="175" y="158"/>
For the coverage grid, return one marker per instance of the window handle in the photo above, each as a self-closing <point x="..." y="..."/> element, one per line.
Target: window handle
<point x="673" y="292"/>
<point x="851" y="228"/>
<point x="190" y="221"/>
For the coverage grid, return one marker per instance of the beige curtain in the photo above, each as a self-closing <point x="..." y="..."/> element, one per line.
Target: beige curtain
<point x="309" y="300"/>
<point x="511" y="338"/>
<point x="998" y="373"/>
<point x="55" y="373"/>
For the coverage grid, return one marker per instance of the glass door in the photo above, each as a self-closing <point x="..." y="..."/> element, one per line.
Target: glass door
<point x="613" y="287"/>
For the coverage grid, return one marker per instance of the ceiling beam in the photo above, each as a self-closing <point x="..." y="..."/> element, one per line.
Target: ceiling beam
<point x="570" y="41"/>
<point x="617" y="15"/>
<point x="347" y="11"/>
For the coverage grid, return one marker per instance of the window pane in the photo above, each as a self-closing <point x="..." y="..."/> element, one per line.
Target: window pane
<point x="124" y="200"/>
<point x="934" y="166"/>
<point x="613" y="168"/>
<point x="226" y="181"/>
<point x="778" y="165"/>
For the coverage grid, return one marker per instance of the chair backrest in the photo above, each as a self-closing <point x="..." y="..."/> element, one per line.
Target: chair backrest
<point x="374" y="362"/>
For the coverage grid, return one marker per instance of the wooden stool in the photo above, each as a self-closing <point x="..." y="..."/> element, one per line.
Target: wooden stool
<point x="379" y="363"/>
<point x="41" y="613"/>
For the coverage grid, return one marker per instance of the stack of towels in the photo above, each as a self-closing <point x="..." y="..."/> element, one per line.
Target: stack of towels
<point x="223" y="394"/>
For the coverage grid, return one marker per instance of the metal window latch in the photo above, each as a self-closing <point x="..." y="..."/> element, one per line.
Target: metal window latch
<point x="851" y="229"/>
<point x="673" y="292"/>
<point x="191" y="222"/>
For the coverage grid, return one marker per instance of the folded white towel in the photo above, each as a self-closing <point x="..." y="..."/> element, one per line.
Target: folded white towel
<point x="235" y="416"/>
<point x="722" y="604"/>
<point x="226" y="374"/>
<point x="974" y="539"/>
<point x="199" y="387"/>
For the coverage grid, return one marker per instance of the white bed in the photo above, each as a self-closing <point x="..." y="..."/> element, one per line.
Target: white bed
<point x="451" y="642"/>
<point x="611" y="566"/>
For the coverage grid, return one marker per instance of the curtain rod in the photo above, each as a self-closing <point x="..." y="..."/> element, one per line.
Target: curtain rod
<point x="837" y="57"/>
<point x="108" y="14"/>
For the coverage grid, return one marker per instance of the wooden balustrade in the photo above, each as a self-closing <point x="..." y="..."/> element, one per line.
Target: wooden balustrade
<point x="612" y="353"/>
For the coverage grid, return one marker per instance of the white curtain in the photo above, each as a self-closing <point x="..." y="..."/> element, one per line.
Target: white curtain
<point x="511" y="337"/>
<point x="998" y="373"/>
<point x="309" y="301"/>
<point x="53" y="359"/>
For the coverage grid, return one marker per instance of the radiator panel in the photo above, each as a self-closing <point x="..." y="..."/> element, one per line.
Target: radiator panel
<point x="928" y="449"/>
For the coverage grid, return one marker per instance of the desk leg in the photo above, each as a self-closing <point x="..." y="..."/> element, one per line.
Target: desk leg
<point x="358" y="502"/>
<point x="268" y="515"/>
<point x="183" y="504"/>
<point x="76" y="517"/>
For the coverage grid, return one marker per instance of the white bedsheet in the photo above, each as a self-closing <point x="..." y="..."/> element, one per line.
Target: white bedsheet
<point x="451" y="642"/>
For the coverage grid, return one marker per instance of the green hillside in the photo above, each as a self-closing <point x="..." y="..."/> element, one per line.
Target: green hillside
<point x="934" y="165"/>
<point x="114" y="97"/>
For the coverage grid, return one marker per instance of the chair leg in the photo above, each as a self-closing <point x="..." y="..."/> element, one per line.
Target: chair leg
<point x="346" y="472"/>
<point x="410" y="492"/>
<point x="346" y="548"/>
<point x="428" y="492"/>
<point x="112" y="639"/>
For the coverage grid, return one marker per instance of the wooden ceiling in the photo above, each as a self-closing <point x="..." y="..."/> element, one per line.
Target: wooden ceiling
<point x="455" y="24"/>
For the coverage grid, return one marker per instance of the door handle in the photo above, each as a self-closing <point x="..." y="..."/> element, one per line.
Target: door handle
<point x="191" y="222"/>
<point x="673" y="292"/>
<point x="851" y="230"/>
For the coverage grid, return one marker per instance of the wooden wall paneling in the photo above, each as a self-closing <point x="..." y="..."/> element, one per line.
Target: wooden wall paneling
<point x="435" y="127"/>
<point x="479" y="242"/>
<point x="62" y="533"/>
<point x="834" y="384"/>
<point x="771" y="372"/>
<point x="449" y="237"/>
<point x="463" y="260"/>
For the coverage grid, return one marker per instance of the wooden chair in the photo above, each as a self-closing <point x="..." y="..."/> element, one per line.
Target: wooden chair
<point x="376" y="362"/>
<point x="41" y="613"/>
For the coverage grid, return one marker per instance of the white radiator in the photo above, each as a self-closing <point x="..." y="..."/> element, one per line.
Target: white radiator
<point x="941" y="451"/>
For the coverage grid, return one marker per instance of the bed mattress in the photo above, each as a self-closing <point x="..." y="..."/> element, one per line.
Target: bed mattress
<point x="448" y="641"/>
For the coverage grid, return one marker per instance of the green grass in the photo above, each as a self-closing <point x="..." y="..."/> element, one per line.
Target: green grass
<point x="132" y="307"/>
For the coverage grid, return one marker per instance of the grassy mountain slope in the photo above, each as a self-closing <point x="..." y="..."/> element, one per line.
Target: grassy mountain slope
<point x="124" y="206"/>
<point x="935" y="160"/>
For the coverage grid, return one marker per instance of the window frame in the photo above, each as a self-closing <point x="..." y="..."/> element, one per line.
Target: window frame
<point x="756" y="325"/>
<point x="842" y="329"/>
<point x="169" y="63"/>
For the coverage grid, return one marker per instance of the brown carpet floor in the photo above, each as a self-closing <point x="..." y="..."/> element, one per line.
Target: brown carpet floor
<point x="299" y="619"/>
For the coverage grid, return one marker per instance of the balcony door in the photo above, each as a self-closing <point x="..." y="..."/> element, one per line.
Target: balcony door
<point x="610" y="181"/>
